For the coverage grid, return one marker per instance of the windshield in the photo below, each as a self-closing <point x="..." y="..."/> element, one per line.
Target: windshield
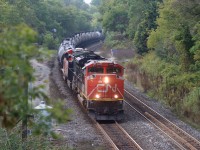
<point x="95" y="70"/>
<point x="113" y="70"/>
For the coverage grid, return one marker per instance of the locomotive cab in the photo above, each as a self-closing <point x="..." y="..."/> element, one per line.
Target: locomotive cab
<point x="104" y="86"/>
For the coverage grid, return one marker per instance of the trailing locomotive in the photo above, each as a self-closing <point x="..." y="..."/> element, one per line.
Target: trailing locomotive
<point x="98" y="82"/>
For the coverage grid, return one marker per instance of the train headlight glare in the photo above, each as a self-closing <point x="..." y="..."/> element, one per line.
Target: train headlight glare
<point x="106" y="80"/>
<point x="115" y="96"/>
<point x="97" y="96"/>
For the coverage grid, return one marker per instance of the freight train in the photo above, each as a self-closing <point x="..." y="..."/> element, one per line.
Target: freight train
<point x="97" y="81"/>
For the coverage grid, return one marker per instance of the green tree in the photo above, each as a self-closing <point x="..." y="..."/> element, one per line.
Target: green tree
<point x="136" y="12"/>
<point x="175" y="53"/>
<point x="174" y="36"/>
<point x="67" y="17"/>
<point x="96" y="2"/>
<point x="9" y="14"/>
<point x="116" y="19"/>
<point x="16" y="50"/>
<point x="196" y="47"/>
<point x="146" y="24"/>
<point x="134" y="18"/>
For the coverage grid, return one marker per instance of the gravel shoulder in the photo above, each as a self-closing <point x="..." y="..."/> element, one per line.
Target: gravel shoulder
<point x="79" y="133"/>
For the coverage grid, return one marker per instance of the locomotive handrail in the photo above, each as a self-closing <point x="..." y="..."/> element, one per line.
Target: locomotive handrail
<point x="120" y="93"/>
<point x="92" y="91"/>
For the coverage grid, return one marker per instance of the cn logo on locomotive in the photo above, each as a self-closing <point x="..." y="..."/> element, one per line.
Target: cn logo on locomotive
<point x="105" y="87"/>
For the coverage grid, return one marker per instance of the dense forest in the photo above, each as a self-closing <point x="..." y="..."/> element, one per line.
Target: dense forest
<point x="28" y="28"/>
<point x="51" y="18"/>
<point x="165" y="34"/>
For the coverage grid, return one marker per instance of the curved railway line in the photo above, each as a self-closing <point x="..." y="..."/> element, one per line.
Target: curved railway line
<point x="181" y="138"/>
<point x="117" y="136"/>
<point x="120" y="139"/>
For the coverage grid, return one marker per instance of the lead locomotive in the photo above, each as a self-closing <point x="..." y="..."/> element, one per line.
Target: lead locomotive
<point x="98" y="82"/>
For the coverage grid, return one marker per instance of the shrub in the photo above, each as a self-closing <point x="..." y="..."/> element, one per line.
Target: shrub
<point x="191" y="105"/>
<point x="50" y="42"/>
<point x="168" y="83"/>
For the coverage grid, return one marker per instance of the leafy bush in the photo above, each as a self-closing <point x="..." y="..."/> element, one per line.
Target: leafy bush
<point x="191" y="105"/>
<point x="12" y="140"/>
<point x="115" y="40"/>
<point x="168" y="83"/>
<point x="50" y="41"/>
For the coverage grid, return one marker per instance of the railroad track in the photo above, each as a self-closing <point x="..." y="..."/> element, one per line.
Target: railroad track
<point x="117" y="136"/>
<point x="181" y="138"/>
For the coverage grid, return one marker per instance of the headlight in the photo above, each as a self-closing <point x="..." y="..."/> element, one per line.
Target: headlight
<point x="115" y="96"/>
<point x="106" y="80"/>
<point x="97" y="96"/>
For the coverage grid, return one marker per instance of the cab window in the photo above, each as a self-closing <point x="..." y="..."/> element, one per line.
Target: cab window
<point x="113" y="70"/>
<point x="95" y="70"/>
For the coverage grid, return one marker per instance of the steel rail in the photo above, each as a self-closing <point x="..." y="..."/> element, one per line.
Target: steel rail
<point x="117" y="136"/>
<point x="107" y="136"/>
<point x="185" y="140"/>
<point x="179" y="145"/>
<point x="124" y="131"/>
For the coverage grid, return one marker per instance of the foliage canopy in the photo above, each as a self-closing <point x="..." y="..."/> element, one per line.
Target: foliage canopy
<point x="25" y="25"/>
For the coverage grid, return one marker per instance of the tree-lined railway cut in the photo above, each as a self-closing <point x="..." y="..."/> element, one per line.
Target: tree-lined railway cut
<point x="76" y="64"/>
